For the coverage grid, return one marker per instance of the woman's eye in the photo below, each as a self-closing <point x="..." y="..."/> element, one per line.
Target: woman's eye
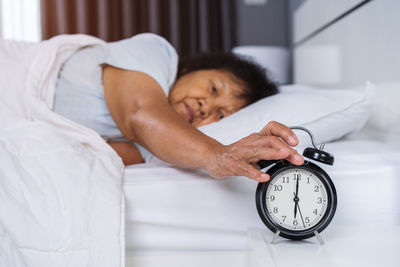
<point x="213" y="88"/>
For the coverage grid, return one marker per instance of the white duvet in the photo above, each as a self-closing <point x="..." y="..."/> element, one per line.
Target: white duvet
<point x="61" y="201"/>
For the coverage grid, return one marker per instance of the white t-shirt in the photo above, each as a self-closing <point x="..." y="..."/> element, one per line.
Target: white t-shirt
<point x="79" y="93"/>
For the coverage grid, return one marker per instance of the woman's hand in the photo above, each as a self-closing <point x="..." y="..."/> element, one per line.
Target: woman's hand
<point x="273" y="142"/>
<point x="128" y="152"/>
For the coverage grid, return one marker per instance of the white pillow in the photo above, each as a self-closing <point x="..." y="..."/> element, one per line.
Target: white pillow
<point x="383" y="124"/>
<point x="328" y="113"/>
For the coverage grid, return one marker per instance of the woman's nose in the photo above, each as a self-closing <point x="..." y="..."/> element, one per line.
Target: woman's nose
<point x="204" y="107"/>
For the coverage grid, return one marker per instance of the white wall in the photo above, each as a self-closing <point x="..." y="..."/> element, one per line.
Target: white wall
<point x="362" y="46"/>
<point x="312" y="14"/>
<point x="20" y="20"/>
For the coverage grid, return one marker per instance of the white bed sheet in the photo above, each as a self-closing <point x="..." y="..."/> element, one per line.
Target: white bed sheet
<point x="174" y="209"/>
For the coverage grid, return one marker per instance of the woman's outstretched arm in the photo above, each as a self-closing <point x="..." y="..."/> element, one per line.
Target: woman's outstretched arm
<point x="141" y="111"/>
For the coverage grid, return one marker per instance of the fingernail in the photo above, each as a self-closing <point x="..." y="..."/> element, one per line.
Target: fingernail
<point x="298" y="157"/>
<point x="292" y="139"/>
<point x="263" y="176"/>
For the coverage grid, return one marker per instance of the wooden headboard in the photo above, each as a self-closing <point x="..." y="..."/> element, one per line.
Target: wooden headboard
<point x="344" y="43"/>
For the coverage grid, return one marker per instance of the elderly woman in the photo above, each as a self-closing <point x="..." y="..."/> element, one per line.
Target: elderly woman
<point x="131" y="92"/>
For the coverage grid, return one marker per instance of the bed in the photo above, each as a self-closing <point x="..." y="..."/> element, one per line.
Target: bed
<point x="168" y="216"/>
<point x="180" y="217"/>
<point x="174" y="210"/>
<point x="176" y="217"/>
<point x="170" y="209"/>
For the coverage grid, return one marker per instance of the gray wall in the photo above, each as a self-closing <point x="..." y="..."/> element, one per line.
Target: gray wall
<point x="293" y="5"/>
<point x="266" y="24"/>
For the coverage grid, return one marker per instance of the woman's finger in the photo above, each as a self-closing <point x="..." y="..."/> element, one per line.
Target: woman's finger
<point x="277" y="154"/>
<point x="295" y="158"/>
<point x="253" y="173"/>
<point x="271" y="147"/>
<point x="292" y="155"/>
<point x="280" y="130"/>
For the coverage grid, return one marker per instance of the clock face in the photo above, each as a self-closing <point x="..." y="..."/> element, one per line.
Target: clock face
<point x="296" y="199"/>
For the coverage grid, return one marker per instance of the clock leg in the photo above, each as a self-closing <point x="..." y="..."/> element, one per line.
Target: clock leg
<point x="319" y="238"/>
<point x="276" y="236"/>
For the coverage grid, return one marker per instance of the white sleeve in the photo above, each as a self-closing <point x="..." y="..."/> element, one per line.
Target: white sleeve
<point x="147" y="53"/>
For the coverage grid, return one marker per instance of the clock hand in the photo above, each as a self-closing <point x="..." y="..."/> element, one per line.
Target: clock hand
<point x="301" y="215"/>
<point x="296" y="198"/>
<point x="296" y="201"/>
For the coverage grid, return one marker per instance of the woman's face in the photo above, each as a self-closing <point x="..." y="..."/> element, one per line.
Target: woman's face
<point x="205" y="96"/>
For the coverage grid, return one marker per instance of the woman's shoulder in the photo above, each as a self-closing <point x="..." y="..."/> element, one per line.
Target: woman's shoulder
<point x="148" y="53"/>
<point x="144" y="42"/>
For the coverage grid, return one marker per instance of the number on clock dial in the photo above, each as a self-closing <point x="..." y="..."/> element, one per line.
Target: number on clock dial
<point x="311" y="194"/>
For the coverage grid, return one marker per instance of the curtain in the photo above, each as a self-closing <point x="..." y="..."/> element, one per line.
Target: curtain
<point x="191" y="26"/>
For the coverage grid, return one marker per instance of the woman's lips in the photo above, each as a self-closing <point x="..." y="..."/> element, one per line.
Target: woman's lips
<point x="189" y="113"/>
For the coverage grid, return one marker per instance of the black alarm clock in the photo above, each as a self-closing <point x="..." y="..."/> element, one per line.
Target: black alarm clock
<point x="297" y="202"/>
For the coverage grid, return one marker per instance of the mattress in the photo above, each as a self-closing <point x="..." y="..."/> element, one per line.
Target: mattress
<point x="171" y="209"/>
